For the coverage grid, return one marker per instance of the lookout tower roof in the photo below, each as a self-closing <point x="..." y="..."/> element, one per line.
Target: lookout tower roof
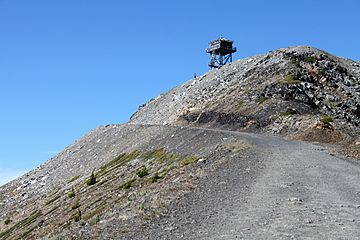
<point x="221" y="46"/>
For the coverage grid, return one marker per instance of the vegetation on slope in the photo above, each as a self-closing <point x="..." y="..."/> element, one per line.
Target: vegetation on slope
<point x="128" y="181"/>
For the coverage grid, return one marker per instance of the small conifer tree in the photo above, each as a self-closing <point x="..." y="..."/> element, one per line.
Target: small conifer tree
<point x="92" y="179"/>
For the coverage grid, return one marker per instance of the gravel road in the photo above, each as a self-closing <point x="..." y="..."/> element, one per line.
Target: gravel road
<point x="278" y="190"/>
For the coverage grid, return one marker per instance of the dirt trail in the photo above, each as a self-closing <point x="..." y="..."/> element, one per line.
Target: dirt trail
<point x="278" y="190"/>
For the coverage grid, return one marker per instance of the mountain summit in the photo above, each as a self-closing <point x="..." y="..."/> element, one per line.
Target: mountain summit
<point x="214" y="158"/>
<point x="253" y="92"/>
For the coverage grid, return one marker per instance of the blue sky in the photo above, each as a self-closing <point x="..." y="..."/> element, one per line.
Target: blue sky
<point x="69" y="66"/>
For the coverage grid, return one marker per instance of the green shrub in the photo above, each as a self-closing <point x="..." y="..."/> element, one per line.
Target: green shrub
<point x="142" y="172"/>
<point x="76" y="204"/>
<point x="310" y="59"/>
<point x="95" y="220"/>
<point x="71" y="194"/>
<point x="7" y="221"/>
<point x="326" y="120"/>
<point x="155" y="178"/>
<point x="92" y="179"/>
<point x="262" y="99"/>
<point x="322" y="73"/>
<point x="289" y="111"/>
<point x="77" y="216"/>
<point x="128" y="184"/>
<point x="189" y="160"/>
<point x="290" y="79"/>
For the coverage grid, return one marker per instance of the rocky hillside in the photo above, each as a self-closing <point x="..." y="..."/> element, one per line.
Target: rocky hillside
<point x="281" y="92"/>
<point x="118" y="179"/>
<point x="137" y="171"/>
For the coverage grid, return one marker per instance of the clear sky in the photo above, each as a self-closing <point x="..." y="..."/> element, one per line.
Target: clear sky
<point x="69" y="66"/>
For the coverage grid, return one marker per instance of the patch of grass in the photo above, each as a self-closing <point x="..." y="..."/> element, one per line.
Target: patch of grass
<point x="166" y="170"/>
<point x="117" y="162"/>
<point x="238" y="105"/>
<point x="103" y="181"/>
<point x="290" y="79"/>
<point x="142" y="172"/>
<point x="21" y="224"/>
<point x="71" y="194"/>
<point x="33" y="216"/>
<point x="76" y="204"/>
<point x="92" y="179"/>
<point x="95" y="220"/>
<point x="55" y="190"/>
<point x="159" y="154"/>
<point x="234" y="146"/>
<point x="189" y="160"/>
<point x="262" y="99"/>
<point x="66" y="225"/>
<point x="310" y="59"/>
<point x="128" y="184"/>
<point x="289" y="112"/>
<point x="155" y="178"/>
<point x="96" y="201"/>
<point x="52" y="210"/>
<point x="74" y="179"/>
<point x="326" y="120"/>
<point x="27" y="232"/>
<point x="96" y="211"/>
<point x="53" y="199"/>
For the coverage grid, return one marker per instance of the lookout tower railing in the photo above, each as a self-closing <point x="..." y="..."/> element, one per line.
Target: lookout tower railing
<point x="220" y="51"/>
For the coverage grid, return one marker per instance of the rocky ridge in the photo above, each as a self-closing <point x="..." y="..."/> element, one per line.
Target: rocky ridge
<point x="174" y="141"/>
<point x="261" y="93"/>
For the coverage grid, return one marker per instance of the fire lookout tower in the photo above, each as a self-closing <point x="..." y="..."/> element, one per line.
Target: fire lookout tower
<point x="221" y="51"/>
